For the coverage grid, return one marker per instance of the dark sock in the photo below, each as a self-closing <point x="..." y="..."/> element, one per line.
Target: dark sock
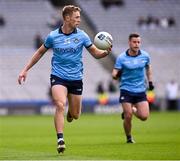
<point x="59" y="135"/>
<point x="129" y="137"/>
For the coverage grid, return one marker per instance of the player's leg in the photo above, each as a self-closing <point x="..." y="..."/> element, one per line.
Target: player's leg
<point x="142" y="110"/>
<point x="74" y="109"/>
<point x="59" y="95"/>
<point x="75" y="89"/>
<point x="127" y="124"/>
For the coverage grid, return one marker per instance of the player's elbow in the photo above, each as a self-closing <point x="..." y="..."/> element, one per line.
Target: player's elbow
<point x="114" y="76"/>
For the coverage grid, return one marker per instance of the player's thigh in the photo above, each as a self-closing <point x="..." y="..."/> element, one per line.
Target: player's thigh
<point x="75" y="102"/>
<point x="143" y="109"/>
<point x="59" y="94"/>
<point x="127" y="107"/>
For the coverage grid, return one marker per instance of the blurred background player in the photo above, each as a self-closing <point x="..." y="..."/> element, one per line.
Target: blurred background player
<point x="67" y="43"/>
<point x="172" y="89"/>
<point x="130" y="68"/>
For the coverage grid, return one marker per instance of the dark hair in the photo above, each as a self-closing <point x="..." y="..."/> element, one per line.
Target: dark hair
<point x="69" y="9"/>
<point x="133" y="35"/>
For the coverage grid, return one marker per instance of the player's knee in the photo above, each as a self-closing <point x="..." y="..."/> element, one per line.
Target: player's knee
<point x="143" y="118"/>
<point x="60" y="106"/>
<point x="128" y="116"/>
<point x="76" y="116"/>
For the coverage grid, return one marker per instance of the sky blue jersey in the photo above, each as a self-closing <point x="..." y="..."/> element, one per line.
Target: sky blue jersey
<point x="67" y="53"/>
<point x="133" y="77"/>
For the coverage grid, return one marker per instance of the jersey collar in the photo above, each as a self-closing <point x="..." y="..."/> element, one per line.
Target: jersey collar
<point x="139" y="53"/>
<point x="61" y="32"/>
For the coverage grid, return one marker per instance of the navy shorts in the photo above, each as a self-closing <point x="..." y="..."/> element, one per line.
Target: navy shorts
<point x="73" y="87"/>
<point x="132" y="97"/>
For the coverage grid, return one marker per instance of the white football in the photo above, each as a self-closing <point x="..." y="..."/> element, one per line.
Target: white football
<point x="103" y="40"/>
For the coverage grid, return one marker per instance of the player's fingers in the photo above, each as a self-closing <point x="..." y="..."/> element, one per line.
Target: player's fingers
<point x="24" y="78"/>
<point x="110" y="49"/>
<point x="20" y="79"/>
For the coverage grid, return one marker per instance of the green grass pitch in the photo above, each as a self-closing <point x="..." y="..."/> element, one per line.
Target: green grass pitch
<point x="92" y="137"/>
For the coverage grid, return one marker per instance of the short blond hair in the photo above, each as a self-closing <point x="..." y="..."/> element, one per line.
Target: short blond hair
<point x="69" y="9"/>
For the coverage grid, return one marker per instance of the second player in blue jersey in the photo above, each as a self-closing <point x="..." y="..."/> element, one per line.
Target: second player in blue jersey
<point x="133" y="69"/>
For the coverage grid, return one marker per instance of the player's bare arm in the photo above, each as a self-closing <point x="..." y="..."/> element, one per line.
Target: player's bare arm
<point x="116" y="74"/>
<point x="98" y="53"/>
<point x="149" y="77"/>
<point x="149" y="73"/>
<point x="35" y="58"/>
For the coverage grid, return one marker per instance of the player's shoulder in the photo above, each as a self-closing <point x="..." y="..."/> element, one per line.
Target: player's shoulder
<point x="54" y="33"/>
<point x="145" y="53"/>
<point x="81" y="32"/>
<point x="122" y="55"/>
